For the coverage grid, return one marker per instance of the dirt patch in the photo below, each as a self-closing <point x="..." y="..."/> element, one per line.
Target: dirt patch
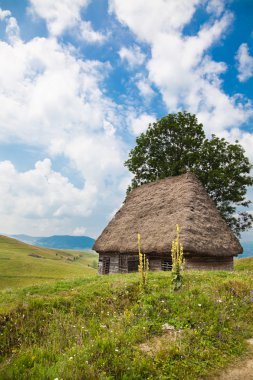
<point x="158" y="343"/>
<point x="242" y="370"/>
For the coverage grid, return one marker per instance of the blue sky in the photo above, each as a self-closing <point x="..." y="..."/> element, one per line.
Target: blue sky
<point x="80" y="80"/>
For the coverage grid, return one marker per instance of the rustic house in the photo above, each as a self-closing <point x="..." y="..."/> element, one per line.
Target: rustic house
<point x="153" y="210"/>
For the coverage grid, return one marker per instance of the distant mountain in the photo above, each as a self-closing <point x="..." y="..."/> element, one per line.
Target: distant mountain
<point x="25" y="238"/>
<point x="58" y="241"/>
<point x="247" y="248"/>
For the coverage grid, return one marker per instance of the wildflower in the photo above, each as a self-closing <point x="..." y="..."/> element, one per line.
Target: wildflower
<point x="178" y="261"/>
<point x="116" y="350"/>
<point x="143" y="266"/>
<point x="162" y="301"/>
<point x="71" y="358"/>
<point x="199" y="304"/>
<point x="219" y="301"/>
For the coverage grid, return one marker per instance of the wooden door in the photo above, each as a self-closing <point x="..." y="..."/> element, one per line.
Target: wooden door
<point x="106" y="265"/>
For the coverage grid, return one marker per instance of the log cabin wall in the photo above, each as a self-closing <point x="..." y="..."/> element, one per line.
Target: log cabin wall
<point x="110" y="263"/>
<point x="209" y="263"/>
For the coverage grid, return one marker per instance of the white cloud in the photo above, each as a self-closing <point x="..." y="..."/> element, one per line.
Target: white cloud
<point x="64" y="15"/>
<point x="180" y="65"/>
<point x="140" y="124"/>
<point x="4" y="14"/>
<point x="245" y="63"/>
<point x="55" y="102"/>
<point x="147" y="18"/>
<point x="41" y="193"/>
<point x="12" y="30"/>
<point x="133" y="56"/>
<point x="79" y="231"/>
<point x="215" y="6"/>
<point x="89" y="35"/>
<point x="59" y="14"/>
<point x="145" y="89"/>
<point x="55" y="93"/>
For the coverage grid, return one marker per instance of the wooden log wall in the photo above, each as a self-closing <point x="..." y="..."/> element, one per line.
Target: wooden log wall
<point x="118" y="263"/>
<point x="209" y="263"/>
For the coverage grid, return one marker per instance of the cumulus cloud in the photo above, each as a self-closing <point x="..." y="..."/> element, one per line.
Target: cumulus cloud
<point x="147" y="19"/>
<point x="56" y="102"/>
<point x="215" y="6"/>
<point x="244" y="63"/>
<point x="180" y="65"/>
<point x="41" y="193"/>
<point x="133" y="56"/>
<point x="54" y="93"/>
<point x="145" y="89"/>
<point x="12" y="28"/>
<point x="140" y="123"/>
<point x="64" y="15"/>
<point x="79" y="231"/>
<point x="4" y="14"/>
<point x="89" y="35"/>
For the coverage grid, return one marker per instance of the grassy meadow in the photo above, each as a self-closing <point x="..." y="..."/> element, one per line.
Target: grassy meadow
<point x="23" y="265"/>
<point x="106" y="327"/>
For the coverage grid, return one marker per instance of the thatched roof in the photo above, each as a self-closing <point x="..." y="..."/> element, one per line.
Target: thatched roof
<point x="154" y="209"/>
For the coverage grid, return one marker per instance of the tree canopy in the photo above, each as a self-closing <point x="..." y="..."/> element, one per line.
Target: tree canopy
<point x="176" y="144"/>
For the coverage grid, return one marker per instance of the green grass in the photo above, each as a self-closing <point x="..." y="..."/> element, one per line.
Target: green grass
<point x="18" y="269"/>
<point x="244" y="264"/>
<point x="105" y="327"/>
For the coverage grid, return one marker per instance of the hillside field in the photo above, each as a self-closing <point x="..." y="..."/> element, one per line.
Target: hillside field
<point x="108" y="328"/>
<point x="24" y="265"/>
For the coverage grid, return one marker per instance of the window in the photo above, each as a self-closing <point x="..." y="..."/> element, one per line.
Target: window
<point x="166" y="264"/>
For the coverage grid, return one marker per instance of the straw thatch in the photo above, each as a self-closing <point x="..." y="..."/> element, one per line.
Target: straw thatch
<point x="154" y="209"/>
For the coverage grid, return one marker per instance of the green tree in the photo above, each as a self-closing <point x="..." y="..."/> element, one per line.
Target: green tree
<point x="176" y="144"/>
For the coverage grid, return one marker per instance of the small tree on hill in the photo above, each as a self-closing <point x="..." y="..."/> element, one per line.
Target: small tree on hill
<point x="176" y="144"/>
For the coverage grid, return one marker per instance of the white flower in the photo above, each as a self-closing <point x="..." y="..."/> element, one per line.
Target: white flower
<point x="199" y="304"/>
<point x="116" y="350"/>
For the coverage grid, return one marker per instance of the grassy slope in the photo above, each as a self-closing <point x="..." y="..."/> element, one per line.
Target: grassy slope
<point x="18" y="269"/>
<point x="106" y="328"/>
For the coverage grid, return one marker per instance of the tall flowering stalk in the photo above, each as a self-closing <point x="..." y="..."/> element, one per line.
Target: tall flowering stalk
<point x="143" y="266"/>
<point x="178" y="260"/>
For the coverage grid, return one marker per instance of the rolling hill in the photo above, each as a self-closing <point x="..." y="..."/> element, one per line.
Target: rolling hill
<point x="107" y="327"/>
<point x="22" y="264"/>
<point x="58" y="241"/>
